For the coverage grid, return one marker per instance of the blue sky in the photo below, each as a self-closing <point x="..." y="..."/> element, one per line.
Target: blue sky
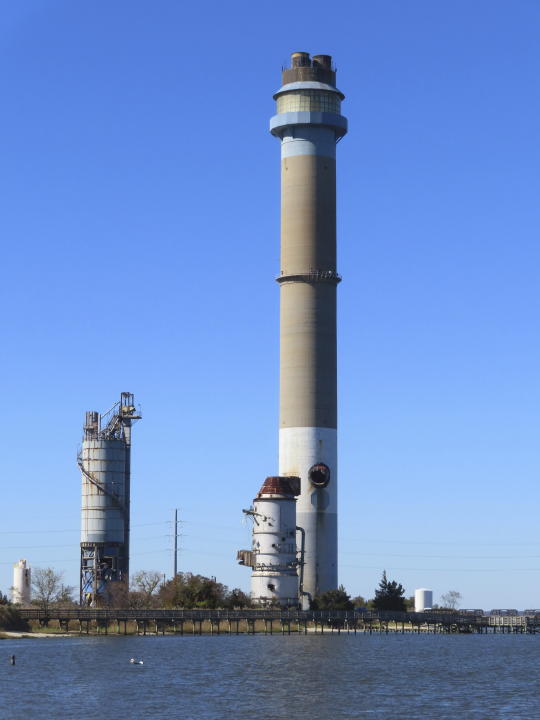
<point x="139" y="218"/>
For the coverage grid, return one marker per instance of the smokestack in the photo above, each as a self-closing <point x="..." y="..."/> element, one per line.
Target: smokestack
<point x="309" y="124"/>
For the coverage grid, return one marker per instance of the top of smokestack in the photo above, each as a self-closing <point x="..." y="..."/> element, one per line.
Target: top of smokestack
<point x="316" y="69"/>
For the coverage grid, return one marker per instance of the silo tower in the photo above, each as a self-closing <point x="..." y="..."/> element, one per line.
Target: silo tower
<point x="21" y="590"/>
<point x="105" y="463"/>
<point x="273" y="557"/>
<point x="309" y="124"/>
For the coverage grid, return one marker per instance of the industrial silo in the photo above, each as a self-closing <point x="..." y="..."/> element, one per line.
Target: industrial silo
<point x="21" y="590"/>
<point x="273" y="557"/>
<point x="105" y="463"/>
<point x="423" y="599"/>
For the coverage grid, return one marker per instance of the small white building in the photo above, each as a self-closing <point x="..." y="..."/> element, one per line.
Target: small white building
<point x="423" y="599"/>
<point x="21" y="590"/>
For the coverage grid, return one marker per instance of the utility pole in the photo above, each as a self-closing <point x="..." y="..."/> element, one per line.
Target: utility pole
<point x="175" y="542"/>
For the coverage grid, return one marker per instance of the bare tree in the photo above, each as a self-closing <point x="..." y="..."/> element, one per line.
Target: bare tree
<point x="451" y="600"/>
<point x="64" y="595"/>
<point x="47" y="586"/>
<point x="144" y="585"/>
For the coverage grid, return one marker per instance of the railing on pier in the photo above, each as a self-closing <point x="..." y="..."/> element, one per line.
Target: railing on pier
<point x="325" y="616"/>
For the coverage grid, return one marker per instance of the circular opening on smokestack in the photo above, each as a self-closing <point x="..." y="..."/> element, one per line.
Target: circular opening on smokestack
<point x="319" y="475"/>
<point x="300" y="59"/>
<point x="324" y="61"/>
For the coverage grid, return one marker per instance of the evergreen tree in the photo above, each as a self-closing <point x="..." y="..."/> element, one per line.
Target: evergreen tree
<point x="10" y="619"/>
<point x="333" y="600"/>
<point x="389" y="595"/>
<point x="360" y="602"/>
<point x="236" y="598"/>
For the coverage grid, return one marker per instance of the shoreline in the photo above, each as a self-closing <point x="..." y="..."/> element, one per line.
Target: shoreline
<point x="17" y="635"/>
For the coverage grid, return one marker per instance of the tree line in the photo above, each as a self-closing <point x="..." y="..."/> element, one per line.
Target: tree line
<point x="149" y="589"/>
<point x="389" y="595"/>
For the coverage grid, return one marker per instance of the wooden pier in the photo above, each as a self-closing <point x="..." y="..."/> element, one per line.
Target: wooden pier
<point x="269" y="622"/>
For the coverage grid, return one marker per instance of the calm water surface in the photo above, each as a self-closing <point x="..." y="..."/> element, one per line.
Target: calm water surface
<point x="270" y="678"/>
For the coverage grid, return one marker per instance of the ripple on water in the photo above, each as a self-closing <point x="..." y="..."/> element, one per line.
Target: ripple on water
<point x="273" y="677"/>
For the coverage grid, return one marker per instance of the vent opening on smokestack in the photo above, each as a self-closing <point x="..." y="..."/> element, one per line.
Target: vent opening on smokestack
<point x="300" y="59"/>
<point x="323" y="61"/>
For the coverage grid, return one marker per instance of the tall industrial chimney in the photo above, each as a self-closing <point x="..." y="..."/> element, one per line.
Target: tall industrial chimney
<point x="309" y="124"/>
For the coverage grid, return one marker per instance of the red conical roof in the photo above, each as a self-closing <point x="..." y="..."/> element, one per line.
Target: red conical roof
<point x="280" y="485"/>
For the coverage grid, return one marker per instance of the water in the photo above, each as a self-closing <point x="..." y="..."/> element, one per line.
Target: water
<point x="273" y="677"/>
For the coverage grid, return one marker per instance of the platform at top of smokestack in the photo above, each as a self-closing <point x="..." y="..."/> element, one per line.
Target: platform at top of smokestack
<point x="316" y="69"/>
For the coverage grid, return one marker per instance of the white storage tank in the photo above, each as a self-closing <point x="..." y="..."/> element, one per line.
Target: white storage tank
<point x="103" y="490"/>
<point x="21" y="591"/>
<point x="423" y="599"/>
<point x="275" y="563"/>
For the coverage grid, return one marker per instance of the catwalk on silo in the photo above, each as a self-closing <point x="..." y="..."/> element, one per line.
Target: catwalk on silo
<point x="309" y="124"/>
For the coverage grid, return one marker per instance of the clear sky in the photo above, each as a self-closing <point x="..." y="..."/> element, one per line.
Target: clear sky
<point x="139" y="220"/>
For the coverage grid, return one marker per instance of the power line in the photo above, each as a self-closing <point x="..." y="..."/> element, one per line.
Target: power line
<point x="399" y="541"/>
<point x="352" y="541"/>
<point x="443" y="557"/>
<point x="77" y="560"/>
<point x="40" y="531"/>
<point x="33" y="547"/>
<point x="504" y="569"/>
